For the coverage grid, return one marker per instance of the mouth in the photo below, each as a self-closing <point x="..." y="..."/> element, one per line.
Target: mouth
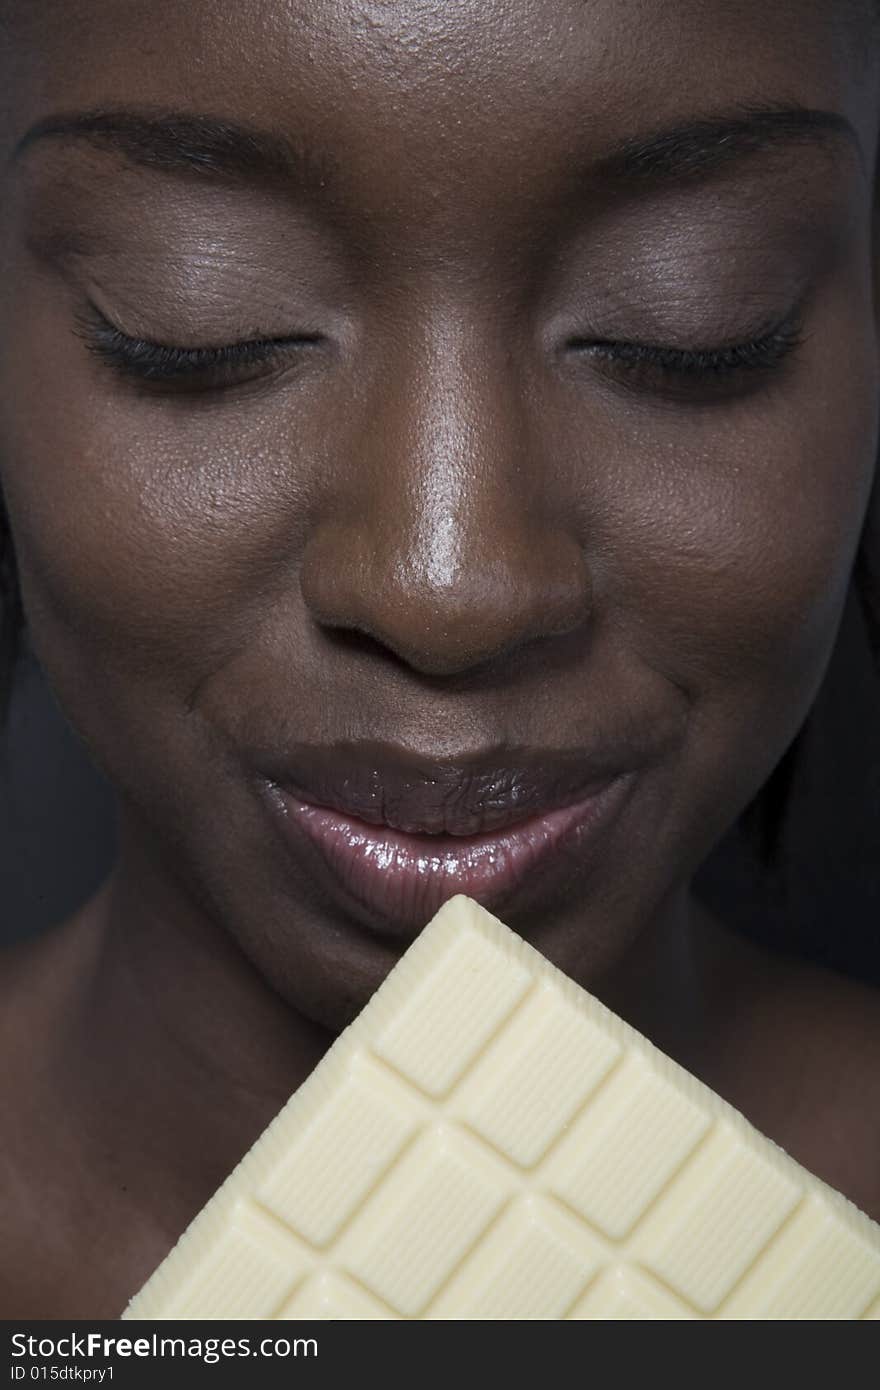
<point x="391" y="842"/>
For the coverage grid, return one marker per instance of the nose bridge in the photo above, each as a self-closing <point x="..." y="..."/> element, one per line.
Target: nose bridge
<point x="450" y="558"/>
<point x="459" y="465"/>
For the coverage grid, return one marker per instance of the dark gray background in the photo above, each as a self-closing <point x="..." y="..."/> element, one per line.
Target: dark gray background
<point x="57" y="834"/>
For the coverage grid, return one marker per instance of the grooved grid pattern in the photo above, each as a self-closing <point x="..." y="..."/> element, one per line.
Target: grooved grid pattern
<point x="487" y="1141"/>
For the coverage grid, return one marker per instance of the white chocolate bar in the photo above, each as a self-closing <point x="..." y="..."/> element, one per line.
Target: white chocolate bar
<point x="486" y="1140"/>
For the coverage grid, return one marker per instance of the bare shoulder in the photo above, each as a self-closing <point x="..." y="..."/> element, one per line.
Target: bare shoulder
<point x="833" y="1026"/>
<point x="807" y="1072"/>
<point x="836" y="1022"/>
<point x="37" y="977"/>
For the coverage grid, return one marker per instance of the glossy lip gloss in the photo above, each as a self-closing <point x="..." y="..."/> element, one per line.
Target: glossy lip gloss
<point x="402" y="879"/>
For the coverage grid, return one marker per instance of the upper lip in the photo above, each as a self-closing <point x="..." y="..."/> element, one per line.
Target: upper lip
<point x="384" y="784"/>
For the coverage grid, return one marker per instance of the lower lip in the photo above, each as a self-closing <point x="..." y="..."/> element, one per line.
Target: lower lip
<point x="397" y="881"/>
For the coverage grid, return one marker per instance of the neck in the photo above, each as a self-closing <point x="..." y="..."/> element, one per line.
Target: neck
<point x="687" y="985"/>
<point x="174" y="1024"/>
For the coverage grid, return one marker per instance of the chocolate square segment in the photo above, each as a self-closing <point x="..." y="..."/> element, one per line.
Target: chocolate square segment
<point x="487" y="1141"/>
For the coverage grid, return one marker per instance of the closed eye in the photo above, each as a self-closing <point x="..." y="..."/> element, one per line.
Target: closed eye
<point x="203" y="368"/>
<point x="653" y="366"/>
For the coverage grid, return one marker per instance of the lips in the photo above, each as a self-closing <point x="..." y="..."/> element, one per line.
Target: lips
<point x="402" y="880"/>
<point x="391" y="836"/>
<point x="386" y="785"/>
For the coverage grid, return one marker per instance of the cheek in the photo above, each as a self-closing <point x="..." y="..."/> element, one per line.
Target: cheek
<point x="727" y="533"/>
<point x="152" y="537"/>
<point x="731" y="569"/>
<point x="740" y="565"/>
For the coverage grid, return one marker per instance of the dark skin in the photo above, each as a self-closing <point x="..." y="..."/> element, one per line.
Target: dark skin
<point x="445" y="521"/>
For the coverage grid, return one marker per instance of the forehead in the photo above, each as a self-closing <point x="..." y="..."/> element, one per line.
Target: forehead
<point x="467" y="100"/>
<point x="420" y="66"/>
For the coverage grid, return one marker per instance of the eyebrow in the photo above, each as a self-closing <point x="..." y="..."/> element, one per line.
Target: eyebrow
<point x="704" y="146"/>
<point x="181" y="142"/>
<point x="173" y="141"/>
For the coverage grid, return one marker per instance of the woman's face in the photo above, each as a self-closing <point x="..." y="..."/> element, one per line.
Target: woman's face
<point x="549" y="464"/>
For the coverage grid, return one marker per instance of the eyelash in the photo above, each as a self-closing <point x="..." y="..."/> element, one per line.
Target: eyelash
<point x="636" y="365"/>
<point x="160" y="364"/>
<point x="649" y="366"/>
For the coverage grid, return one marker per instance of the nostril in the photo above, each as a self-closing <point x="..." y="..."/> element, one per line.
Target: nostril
<point x="454" y="672"/>
<point x="357" y="642"/>
<point x="370" y="592"/>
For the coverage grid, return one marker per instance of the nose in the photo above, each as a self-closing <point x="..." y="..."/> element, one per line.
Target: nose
<point x="446" y="540"/>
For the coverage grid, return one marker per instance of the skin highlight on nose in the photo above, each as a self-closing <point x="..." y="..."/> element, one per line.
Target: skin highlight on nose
<point x="452" y="560"/>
